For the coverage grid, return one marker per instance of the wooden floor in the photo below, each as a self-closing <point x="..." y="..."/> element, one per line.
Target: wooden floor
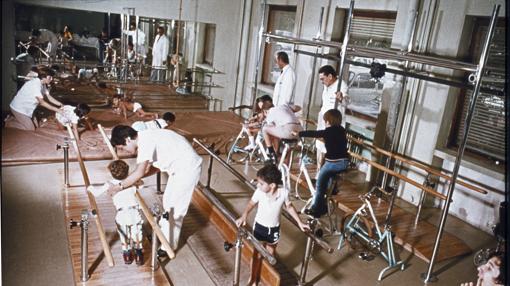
<point x="418" y="240"/>
<point x="75" y="200"/>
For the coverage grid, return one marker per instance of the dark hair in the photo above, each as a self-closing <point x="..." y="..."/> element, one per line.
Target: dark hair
<point x="333" y="116"/>
<point x="36" y="32"/>
<point x="120" y="133"/>
<point x="283" y="57"/>
<point x="270" y="174"/>
<point x="119" y="169"/>
<point x="32" y="50"/>
<point x="328" y="70"/>
<point x="264" y="98"/>
<point x="169" y="116"/>
<point x="501" y="279"/>
<point x="82" y="109"/>
<point x="130" y="44"/>
<point x="162" y="28"/>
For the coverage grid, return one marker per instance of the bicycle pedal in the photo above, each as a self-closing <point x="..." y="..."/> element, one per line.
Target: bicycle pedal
<point x="365" y="256"/>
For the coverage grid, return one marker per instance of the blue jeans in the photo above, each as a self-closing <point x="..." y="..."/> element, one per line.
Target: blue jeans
<point x="327" y="172"/>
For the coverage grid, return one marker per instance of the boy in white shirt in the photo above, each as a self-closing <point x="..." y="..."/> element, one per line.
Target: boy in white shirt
<point x="270" y="200"/>
<point x="128" y="218"/>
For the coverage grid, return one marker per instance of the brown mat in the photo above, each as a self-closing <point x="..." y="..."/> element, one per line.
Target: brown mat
<point x="22" y="147"/>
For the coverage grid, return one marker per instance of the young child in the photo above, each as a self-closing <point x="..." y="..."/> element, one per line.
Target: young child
<point x="160" y="123"/>
<point x="252" y="127"/>
<point x="72" y="115"/>
<point x="128" y="218"/>
<point x="337" y="158"/>
<point x="126" y="104"/>
<point x="270" y="200"/>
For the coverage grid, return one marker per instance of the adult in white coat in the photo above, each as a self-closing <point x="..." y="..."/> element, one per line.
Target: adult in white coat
<point x="159" y="55"/>
<point x="284" y="86"/>
<point x="171" y="153"/>
<point x="138" y="40"/>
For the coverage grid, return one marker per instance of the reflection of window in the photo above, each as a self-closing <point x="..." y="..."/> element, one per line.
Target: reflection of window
<point x="210" y="36"/>
<point x="280" y="22"/>
<point x="372" y="28"/>
<point x="487" y="131"/>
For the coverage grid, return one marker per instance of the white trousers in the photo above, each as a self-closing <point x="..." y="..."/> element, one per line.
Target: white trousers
<point x="176" y="199"/>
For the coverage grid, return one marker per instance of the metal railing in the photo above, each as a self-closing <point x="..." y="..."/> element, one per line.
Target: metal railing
<point x="243" y="232"/>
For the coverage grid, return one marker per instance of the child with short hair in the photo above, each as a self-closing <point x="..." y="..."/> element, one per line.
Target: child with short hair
<point x="337" y="158"/>
<point x="72" y="115"/>
<point x="128" y="218"/>
<point x="126" y="104"/>
<point x="270" y="200"/>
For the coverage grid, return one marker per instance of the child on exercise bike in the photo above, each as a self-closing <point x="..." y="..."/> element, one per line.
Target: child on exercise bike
<point x="252" y="127"/>
<point x="337" y="160"/>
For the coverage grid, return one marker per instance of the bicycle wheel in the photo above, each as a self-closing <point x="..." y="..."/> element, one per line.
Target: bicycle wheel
<point x="358" y="229"/>
<point x="236" y="153"/>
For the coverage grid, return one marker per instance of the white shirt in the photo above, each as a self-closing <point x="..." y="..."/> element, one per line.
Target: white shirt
<point x="136" y="106"/>
<point x="166" y="150"/>
<point x="25" y="100"/>
<point x="281" y="115"/>
<point x="160" y="50"/>
<point x="269" y="208"/>
<point x="328" y="102"/>
<point x="149" y="125"/>
<point x="284" y="87"/>
<point x="122" y="199"/>
<point x="69" y="115"/>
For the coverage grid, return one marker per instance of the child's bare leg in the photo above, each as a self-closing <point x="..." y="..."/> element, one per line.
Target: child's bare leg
<point x="256" y="263"/>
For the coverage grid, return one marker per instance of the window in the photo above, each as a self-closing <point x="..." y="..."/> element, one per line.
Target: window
<point x="487" y="132"/>
<point x="281" y="21"/>
<point x="369" y="29"/>
<point x="210" y="36"/>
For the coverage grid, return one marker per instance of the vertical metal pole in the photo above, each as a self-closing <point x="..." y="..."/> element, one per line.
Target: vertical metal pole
<point x="306" y="260"/>
<point x="237" y="265"/>
<point x="343" y="52"/>
<point x="260" y="50"/>
<point x="398" y="125"/>
<point x="66" y="163"/>
<point x="158" y="183"/>
<point x="84" y="225"/>
<point x="314" y="65"/>
<point x="209" y="172"/>
<point x="480" y="72"/>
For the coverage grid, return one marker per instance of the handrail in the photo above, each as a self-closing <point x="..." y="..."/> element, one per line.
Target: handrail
<point x="323" y="244"/>
<point x="415" y="163"/>
<point x="354" y="50"/>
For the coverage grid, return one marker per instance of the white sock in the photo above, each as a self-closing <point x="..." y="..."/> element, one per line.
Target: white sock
<point x="252" y="140"/>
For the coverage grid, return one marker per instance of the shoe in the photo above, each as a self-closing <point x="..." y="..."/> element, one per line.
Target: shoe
<point x="162" y="253"/>
<point x="312" y="212"/>
<point x="249" y="147"/>
<point x="139" y="256"/>
<point x="128" y="256"/>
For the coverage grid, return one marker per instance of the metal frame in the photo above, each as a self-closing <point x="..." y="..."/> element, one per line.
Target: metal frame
<point x="476" y="70"/>
<point x="311" y="238"/>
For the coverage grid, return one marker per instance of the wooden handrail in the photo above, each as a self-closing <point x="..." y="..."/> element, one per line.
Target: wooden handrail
<point x="92" y="201"/>
<point x="416" y="164"/>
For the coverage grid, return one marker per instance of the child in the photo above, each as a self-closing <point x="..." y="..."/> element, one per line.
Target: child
<point x="336" y="157"/>
<point x="270" y="200"/>
<point x="127" y="104"/>
<point x="128" y="218"/>
<point x="263" y="104"/>
<point x="72" y="115"/>
<point x="161" y="123"/>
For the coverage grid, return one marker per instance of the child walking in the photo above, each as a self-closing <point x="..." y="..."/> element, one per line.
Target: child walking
<point x="337" y="159"/>
<point x="128" y="218"/>
<point x="270" y="200"/>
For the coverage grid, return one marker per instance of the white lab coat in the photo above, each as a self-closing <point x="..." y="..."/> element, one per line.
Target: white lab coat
<point x="160" y="50"/>
<point x="138" y="42"/>
<point x="284" y="87"/>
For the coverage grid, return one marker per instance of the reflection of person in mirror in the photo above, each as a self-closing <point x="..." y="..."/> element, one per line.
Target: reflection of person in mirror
<point x="284" y="86"/>
<point x="328" y="77"/>
<point x="159" y="55"/>
<point x="492" y="273"/>
<point x="137" y="37"/>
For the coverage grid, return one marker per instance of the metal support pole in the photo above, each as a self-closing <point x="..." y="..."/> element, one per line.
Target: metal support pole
<point x="239" y="250"/>
<point x="209" y="172"/>
<point x="306" y="260"/>
<point x="158" y="183"/>
<point x="65" y="147"/>
<point x="259" y="51"/>
<point x="84" y="226"/>
<point x="314" y="65"/>
<point x="343" y="52"/>
<point x="428" y="277"/>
